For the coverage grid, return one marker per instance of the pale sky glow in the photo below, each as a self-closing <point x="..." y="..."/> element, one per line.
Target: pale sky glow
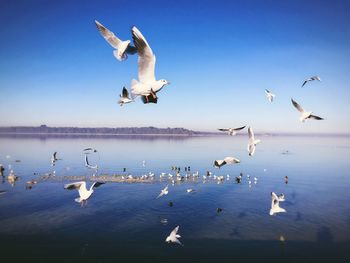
<point x="56" y="69"/>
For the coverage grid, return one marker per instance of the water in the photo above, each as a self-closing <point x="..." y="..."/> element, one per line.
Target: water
<point x="121" y="221"/>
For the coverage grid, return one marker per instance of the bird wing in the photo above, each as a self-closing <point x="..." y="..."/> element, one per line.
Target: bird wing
<point x="315" y="117"/>
<point x="304" y="83"/>
<point x="297" y="106"/>
<point x="73" y="186"/>
<point x="267" y="91"/>
<point x="54" y="155"/>
<point x="96" y="184"/>
<point x="240" y="128"/>
<point x="108" y="35"/>
<point x="147" y="59"/>
<point x="251" y="133"/>
<point x="86" y="160"/>
<point x="174" y="232"/>
<point x="224" y="130"/>
<point x="125" y="93"/>
<point x="231" y="160"/>
<point x="87" y="149"/>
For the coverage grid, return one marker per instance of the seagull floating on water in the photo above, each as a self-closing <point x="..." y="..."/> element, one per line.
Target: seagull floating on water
<point x="311" y="79"/>
<point x="163" y="192"/>
<point x="252" y="142"/>
<point x="124" y="97"/>
<point x="305" y="114"/>
<point x="275" y="208"/>
<point x="147" y="86"/>
<point x="270" y="96"/>
<point x="174" y="237"/>
<point x="226" y="160"/>
<point x="122" y="48"/>
<point x="84" y="194"/>
<point x="232" y="131"/>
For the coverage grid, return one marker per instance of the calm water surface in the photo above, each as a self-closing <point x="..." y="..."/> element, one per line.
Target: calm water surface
<point x="121" y="221"/>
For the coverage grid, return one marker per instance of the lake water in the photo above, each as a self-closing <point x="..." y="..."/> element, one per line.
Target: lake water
<point x="121" y="221"/>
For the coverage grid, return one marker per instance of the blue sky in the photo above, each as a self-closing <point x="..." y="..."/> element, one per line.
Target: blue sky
<point x="219" y="56"/>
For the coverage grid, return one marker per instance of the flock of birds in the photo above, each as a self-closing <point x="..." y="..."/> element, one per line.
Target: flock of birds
<point x="147" y="88"/>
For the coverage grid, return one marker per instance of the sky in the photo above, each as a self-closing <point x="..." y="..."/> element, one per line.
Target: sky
<point x="220" y="56"/>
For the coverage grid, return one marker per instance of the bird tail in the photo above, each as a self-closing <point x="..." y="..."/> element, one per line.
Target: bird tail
<point x="120" y="58"/>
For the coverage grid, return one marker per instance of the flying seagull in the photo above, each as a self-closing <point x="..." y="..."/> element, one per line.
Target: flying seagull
<point x="252" y="142"/>
<point x="173" y="237"/>
<point x="275" y="208"/>
<point x="232" y="131"/>
<point x="84" y="194"/>
<point x="270" y="96"/>
<point x="124" y="97"/>
<point x="226" y="160"/>
<point x="122" y="48"/>
<point x="54" y="159"/>
<point x="147" y="86"/>
<point x="163" y="192"/>
<point x="89" y="165"/>
<point x="305" y="114"/>
<point x="311" y="79"/>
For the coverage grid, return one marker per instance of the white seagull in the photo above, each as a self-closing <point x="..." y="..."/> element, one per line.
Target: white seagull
<point x="226" y="160"/>
<point x="147" y="86"/>
<point x="275" y="208"/>
<point x="270" y="96"/>
<point x="89" y="165"/>
<point x="163" y="192"/>
<point x="252" y="142"/>
<point x="122" y="48"/>
<point x="84" y="194"/>
<point x="173" y="237"/>
<point x="305" y="114"/>
<point x="311" y="79"/>
<point x="232" y="131"/>
<point x="124" y="97"/>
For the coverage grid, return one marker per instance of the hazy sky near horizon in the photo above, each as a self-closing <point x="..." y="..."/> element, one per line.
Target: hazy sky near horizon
<point x="220" y="56"/>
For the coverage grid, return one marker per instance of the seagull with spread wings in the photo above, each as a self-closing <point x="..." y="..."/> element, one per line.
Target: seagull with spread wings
<point x="252" y="142"/>
<point x="232" y="131"/>
<point x="311" y="79"/>
<point x="305" y="114"/>
<point x="84" y="193"/>
<point x="174" y="237"/>
<point x="122" y="48"/>
<point x="270" y="96"/>
<point x="147" y="86"/>
<point x="124" y="97"/>
<point x="275" y="207"/>
<point x="226" y="160"/>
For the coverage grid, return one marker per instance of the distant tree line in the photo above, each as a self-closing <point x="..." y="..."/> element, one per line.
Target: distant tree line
<point x="74" y="130"/>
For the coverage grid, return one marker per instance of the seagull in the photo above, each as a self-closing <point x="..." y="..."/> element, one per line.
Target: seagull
<point x="232" y="131"/>
<point x="147" y="86"/>
<point x="173" y="237"/>
<point x="122" y="48"/>
<point x="84" y="194"/>
<point x="124" y="97"/>
<point x="226" y="160"/>
<point x="311" y="79"/>
<point x="54" y="159"/>
<point x="252" y="142"/>
<point x="305" y="114"/>
<point x="275" y="208"/>
<point x="190" y="190"/>
<point x="163" y="192"/>
<point x="270" y="96"/>
<point x="89" y="165"/>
